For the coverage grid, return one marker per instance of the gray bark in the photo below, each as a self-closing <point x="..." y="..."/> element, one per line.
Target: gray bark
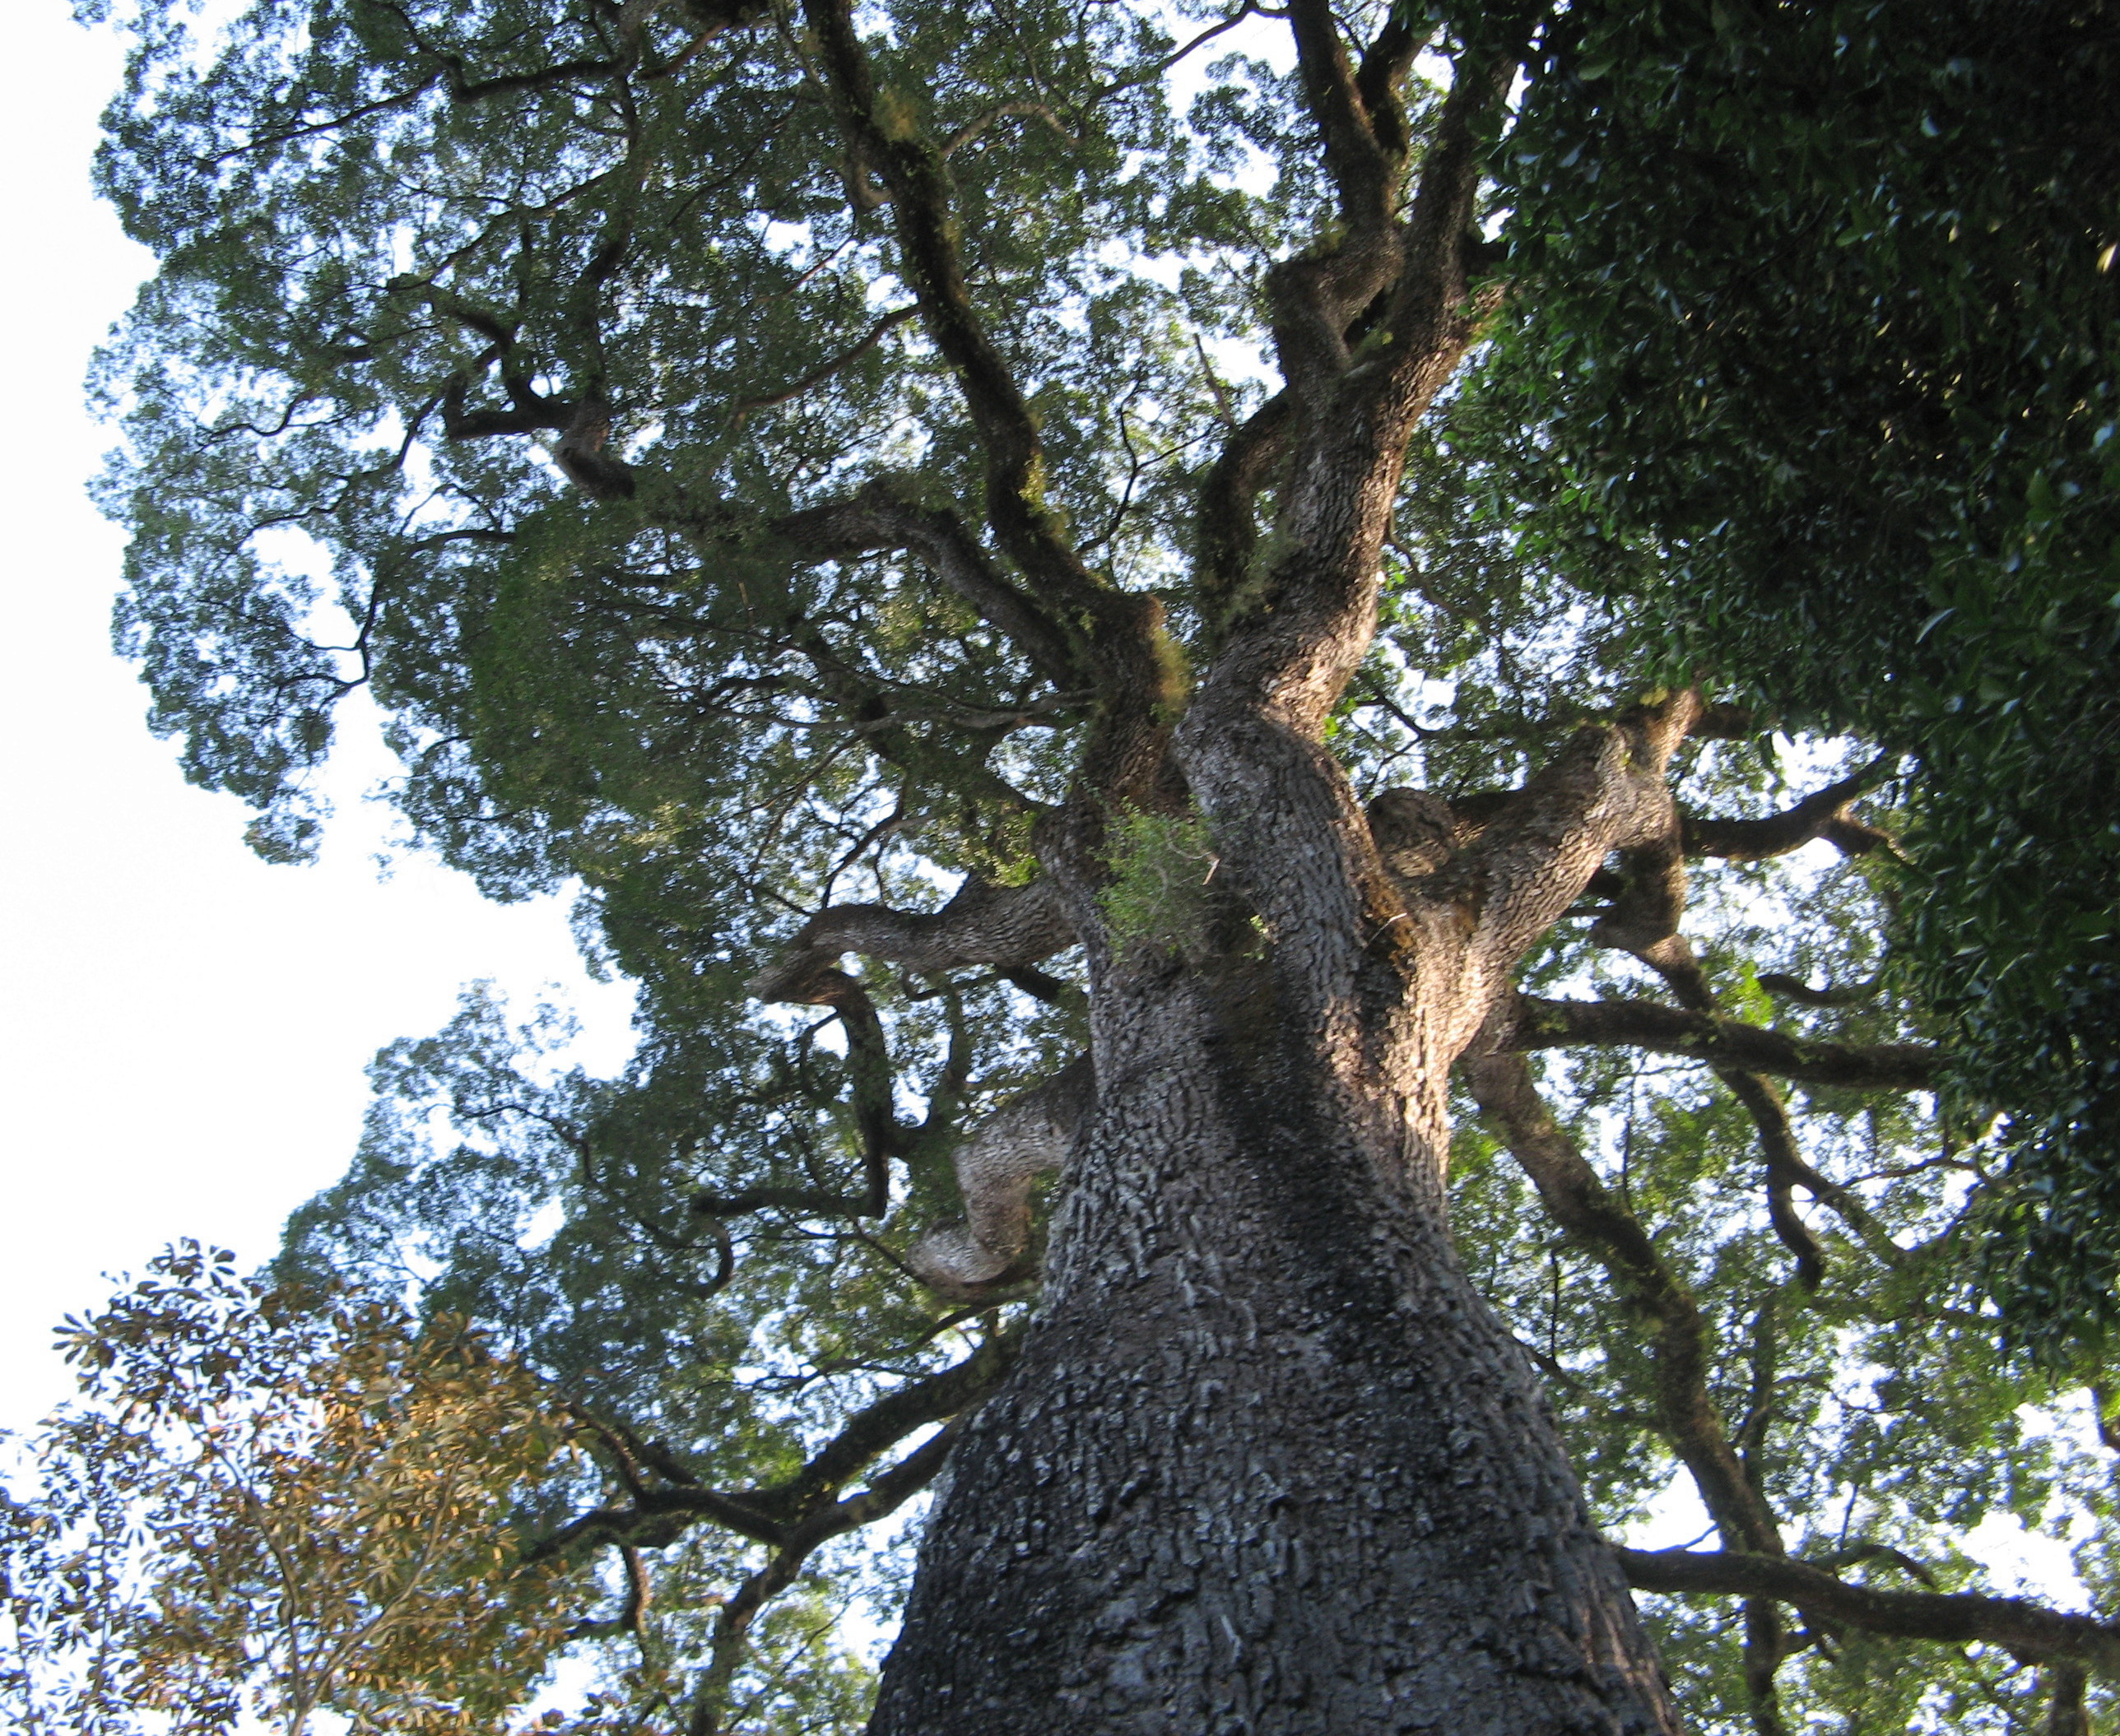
<point x="1269" y="1464"/>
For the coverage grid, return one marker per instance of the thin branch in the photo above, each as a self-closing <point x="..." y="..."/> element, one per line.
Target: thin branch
<point x="825" y="370"/>
<point x="972" y="130"/>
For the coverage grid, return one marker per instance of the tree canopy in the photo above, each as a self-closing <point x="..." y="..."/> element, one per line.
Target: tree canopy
<point x="1244" y="557"/>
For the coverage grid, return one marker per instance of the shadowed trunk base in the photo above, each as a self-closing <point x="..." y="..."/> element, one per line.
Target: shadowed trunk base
<point x="1269" y="1464"/>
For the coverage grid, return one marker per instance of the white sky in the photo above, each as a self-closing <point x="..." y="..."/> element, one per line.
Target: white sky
<point x="183" y="1029"/>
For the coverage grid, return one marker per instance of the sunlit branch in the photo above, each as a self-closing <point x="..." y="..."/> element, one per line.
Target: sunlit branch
<point x="997" y="1165"/>
<point x="1006" y="927"/>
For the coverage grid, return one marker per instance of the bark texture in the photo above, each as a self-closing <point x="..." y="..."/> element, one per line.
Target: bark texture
<point x="1269" y="1464"/>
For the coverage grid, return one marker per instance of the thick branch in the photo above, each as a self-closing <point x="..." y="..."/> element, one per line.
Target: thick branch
<point x="1604" y="791"/>
<point x="888" y="1493"/>
<point x="1005" y="926"/>
<point x="2066" y="1713"/>
<point x="1226" y="524"/>
<point x="1795" y="988"/>
<point x="1122" y="629"/>
<point x="2030" y="1630"/>
<point x="1787" y="1171"/>
<point x="1823" y="815"/>
<point x="1722" y="1043"/>
<point x="1381" y="78"/>
<point x="580" y="452"/>
<point x="1363" y="168"/>
<point x="873" y="1431"/>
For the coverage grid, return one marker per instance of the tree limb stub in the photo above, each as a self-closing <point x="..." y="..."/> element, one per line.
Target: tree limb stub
<point x="996" y="1167"/>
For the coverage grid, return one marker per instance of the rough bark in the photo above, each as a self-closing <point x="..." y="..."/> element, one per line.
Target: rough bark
<point x="1000" y="925"/>
<point x="1269" y="1464"/>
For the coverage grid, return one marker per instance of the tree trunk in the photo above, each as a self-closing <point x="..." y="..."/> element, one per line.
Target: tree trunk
<point x="1268" y="1464"/>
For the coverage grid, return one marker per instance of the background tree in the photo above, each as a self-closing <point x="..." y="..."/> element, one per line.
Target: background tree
<point x="763" y="460"/>
<point x="272" y="1509"/>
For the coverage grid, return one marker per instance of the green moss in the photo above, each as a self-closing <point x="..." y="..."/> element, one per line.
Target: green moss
<point x="1160" y="864"/>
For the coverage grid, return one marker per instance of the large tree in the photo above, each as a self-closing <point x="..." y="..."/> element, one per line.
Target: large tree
<point x="991" y="462"/>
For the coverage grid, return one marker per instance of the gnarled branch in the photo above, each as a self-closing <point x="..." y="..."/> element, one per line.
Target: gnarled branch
<point x="1604" y="791"/>
<point x="875" y="1117"/>
<point x="1121" y="630"/>
<point x="1005" y="926"/>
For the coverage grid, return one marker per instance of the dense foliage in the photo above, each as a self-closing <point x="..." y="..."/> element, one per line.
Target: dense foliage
<point x="553" y="372"/>
<point x="1821" y="339"/>
<point x="278" y="1508"/>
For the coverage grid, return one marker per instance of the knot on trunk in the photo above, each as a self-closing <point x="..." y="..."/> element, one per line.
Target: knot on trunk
<point x="1417" y="833"/>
